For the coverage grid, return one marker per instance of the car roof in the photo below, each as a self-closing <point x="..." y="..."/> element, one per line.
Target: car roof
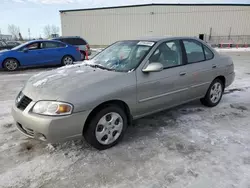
<point x="160" y="38"/>
<point x="42" y="41"/>
<point x="65" y="37"/>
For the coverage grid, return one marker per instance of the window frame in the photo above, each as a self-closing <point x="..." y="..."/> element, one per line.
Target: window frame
<point x="209" y="51"/>
<point x="56" y="42"/>
<point x="181" y="49"/>
<point x="39" y="46"/>
<point x="203" y="49"/>
<point x="74" y="41"/>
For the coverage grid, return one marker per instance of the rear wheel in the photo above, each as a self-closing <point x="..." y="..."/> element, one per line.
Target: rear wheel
<point x="106" y="128"/>
<point x="67" y="60"/>
<point x="214" y="94"/>
<point x="11" y="64"/>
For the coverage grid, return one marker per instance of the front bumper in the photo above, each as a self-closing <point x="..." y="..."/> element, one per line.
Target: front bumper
<point x="47" y="128"/>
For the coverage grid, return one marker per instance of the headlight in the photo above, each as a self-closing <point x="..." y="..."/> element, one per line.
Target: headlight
<point x="52" y="108"/>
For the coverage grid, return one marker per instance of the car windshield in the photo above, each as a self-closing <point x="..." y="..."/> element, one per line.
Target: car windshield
<point x="2" y="43"/>
<point x="122" y="56"/>
<point x="20" y="46"/>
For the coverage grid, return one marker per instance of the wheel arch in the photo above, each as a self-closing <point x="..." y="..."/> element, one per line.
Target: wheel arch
<point x="223" y="79"/>
<point x="118" y="103"/>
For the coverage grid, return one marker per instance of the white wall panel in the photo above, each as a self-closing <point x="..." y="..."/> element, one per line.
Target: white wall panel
<point x="104" y="26"/>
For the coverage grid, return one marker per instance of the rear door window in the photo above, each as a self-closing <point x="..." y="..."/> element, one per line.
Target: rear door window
<point x="49" y="45"/>
<point x="194" y="51"/>
<point x="75" y="41"/>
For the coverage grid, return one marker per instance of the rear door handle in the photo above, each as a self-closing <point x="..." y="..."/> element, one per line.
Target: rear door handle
<point x="214" y="66"/>
<point x="183" y="73"/>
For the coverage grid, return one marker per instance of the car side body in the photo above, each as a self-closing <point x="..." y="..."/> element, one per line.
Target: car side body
<point x="40" y="53"/>
<point x="76" y="41"/>
<point x="138" y="92"/>
<point x="6" y="46"/>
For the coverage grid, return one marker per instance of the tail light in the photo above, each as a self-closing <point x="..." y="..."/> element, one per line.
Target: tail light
<point x="78" y="49"/>
<point x="88" y="46"/>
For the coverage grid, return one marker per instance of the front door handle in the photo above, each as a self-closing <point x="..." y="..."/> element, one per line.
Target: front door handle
<point x="214" y="66"/>
<point x="183" y="73"/>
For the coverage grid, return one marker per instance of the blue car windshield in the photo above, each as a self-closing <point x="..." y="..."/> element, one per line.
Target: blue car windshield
<point x="20" y="46"/>
<point x="123" y="55"/>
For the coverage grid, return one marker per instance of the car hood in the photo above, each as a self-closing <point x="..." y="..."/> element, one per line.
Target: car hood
<point x="58" y="84"/>
<point x="6" y="51"/>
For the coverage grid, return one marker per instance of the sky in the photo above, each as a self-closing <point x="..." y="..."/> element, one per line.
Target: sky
<point x="36" y="14"/>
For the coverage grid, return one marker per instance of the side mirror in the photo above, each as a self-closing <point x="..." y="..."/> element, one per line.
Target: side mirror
<point x="153" y="67"/>
<point x="25" y="50"/>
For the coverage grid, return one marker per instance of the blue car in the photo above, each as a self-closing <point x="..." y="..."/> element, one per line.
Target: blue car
<point x="39" y="53"/>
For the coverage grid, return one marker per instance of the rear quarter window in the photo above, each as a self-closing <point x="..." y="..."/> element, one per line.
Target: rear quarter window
<point x="208" y="53"/>
<point x="74" y="41"/>
<point x="194" y="51"/>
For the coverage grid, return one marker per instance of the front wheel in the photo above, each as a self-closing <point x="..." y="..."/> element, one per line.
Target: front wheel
<point x="67" y="60"/>
<point x="106" y="128"/>
<point x="11" y="64"/>
<point x="214" y="94"/>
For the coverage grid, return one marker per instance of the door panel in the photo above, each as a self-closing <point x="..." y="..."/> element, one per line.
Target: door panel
<point x="31" y="56"/>
<point x="199" y="67"/>
<point x="160" y="90"/>
<point x="169" y="87"/>
<point x="28" y="58"/>
<point x="52" y="51"/>
<point x="200" y="76"/>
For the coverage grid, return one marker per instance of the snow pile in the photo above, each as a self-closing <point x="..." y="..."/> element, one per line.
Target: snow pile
<point x="80" y="71"/>
<point x="32" y="171"/>
<point x="40" y="82"/>
<point x="232" y="49"/>
<point x="97" y="49"/>
<point x="71" y="66"/>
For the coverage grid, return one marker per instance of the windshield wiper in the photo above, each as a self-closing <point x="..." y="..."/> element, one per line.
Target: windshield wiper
<point x="99" y="66"/>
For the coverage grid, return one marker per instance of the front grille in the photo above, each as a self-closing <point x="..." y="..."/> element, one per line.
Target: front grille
<point x="24" y="102"/>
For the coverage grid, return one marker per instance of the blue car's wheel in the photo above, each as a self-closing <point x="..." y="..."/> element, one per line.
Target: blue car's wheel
<point x="10" y="64"/>
<point x="67" y="60"/>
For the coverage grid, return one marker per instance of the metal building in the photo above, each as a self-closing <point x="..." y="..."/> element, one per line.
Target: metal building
<point x="103" y="26"/>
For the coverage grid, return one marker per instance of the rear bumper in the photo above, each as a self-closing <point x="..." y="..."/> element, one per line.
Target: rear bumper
<point x="50" y="129"/>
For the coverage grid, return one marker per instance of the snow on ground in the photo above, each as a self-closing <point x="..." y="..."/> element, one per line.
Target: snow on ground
<point x="233" y="49"/>
<point x="189" y="146"/>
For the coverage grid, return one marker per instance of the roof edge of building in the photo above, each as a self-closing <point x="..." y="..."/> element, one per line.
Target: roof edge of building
<point x="157" y="4"/>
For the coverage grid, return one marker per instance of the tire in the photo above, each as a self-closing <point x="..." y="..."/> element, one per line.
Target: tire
<point x="67" y="60"/>
<point x="105" y="136"/>
<point x="10" y="64"/>
<point x="213" y="99"/>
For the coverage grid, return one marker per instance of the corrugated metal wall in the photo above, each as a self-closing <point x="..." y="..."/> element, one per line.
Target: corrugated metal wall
<point x="105" y="26"/>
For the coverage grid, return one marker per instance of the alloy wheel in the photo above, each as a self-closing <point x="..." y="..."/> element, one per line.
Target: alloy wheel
<point x="216" y="92"/>
<point x="11" y="64"/>
<point x="109" y="128"/>
<point x="68" y="61"/>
